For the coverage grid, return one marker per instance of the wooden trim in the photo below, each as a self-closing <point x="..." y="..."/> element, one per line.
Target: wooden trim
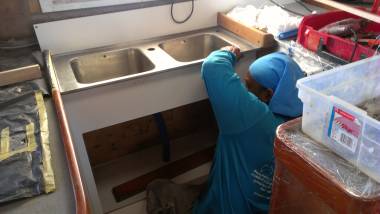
<point x="318" y="4"/>
<point x="80" y="197"/>
<point x="82" y="207"/>
<point x="256" y="36"/>
<point x="169" y="171"/>
<point x="20" y="74"/>
<point x="34" y="6"/>
<point x="350" y="9"/>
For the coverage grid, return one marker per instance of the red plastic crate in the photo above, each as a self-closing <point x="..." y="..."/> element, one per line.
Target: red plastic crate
<point x="336" y="48"/>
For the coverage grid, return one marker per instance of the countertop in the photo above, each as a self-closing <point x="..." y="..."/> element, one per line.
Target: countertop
<point x="62" y="200"/>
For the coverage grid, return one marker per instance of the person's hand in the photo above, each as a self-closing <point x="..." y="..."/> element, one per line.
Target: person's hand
<point x="233" y="49"/>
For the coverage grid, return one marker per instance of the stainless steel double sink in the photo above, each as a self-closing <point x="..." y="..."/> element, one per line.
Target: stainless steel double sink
<point x="99" y="66"/>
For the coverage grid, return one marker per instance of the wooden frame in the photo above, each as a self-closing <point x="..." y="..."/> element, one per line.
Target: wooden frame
<point x="20" y="74"/>
<point x="353" y="10"/>
<point x="256" y="36"/>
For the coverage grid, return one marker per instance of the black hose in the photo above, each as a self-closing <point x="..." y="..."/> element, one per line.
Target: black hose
<point x="356" y="44"/>
<point x="187" y="18"/>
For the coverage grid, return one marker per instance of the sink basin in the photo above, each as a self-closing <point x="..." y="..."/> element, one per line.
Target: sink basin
<point x="193" y="48"/>
<point x="108" y="65"/>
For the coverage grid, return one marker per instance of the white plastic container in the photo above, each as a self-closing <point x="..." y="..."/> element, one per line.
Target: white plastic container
<point x="330" y="115"/>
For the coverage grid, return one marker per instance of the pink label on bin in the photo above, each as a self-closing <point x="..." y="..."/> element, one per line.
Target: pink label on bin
<point x="344" y="129"/>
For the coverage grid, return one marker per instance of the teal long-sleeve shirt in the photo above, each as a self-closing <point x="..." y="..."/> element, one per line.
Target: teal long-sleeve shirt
<point x="240" y="179"/>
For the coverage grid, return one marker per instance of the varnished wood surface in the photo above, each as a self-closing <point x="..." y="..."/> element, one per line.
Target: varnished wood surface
<point x="80" y="196"/>
<point x="20" y="75"/>
<point x="257" y="37"/>
<point x="350" y="9"/>
<point x="298" y="177"/>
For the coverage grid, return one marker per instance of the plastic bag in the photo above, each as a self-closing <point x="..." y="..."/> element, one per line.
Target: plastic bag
<point x="25" y="161"/>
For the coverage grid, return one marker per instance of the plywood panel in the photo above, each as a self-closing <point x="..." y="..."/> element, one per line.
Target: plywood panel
<point x="15" y="20"/>
<point x="113" y="142"/>
<point x="116" y="141"/>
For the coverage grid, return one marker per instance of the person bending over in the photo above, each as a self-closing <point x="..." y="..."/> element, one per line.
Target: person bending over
<point x="240" y="179"/>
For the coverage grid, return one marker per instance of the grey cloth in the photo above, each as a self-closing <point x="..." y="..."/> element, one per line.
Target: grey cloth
<point x="166" y="197"/>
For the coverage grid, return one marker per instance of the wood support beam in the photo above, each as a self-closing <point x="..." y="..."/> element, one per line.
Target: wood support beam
<point x="350" y="9"/>
<point x="169" y="171"/>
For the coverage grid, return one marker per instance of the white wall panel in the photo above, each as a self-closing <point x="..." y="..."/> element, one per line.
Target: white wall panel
<point x="101" y="30"/>
<point x="60" y="5"/>
<point x="107" y="29"/>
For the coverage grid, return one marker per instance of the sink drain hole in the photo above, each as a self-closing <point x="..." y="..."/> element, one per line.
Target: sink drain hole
<point x="151" y="49"/>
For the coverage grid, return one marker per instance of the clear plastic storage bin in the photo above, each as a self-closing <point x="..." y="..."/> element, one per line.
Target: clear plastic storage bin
<point x="331" y="115"/>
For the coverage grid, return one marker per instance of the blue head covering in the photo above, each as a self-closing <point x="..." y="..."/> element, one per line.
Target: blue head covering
<point x="277" y="71"/>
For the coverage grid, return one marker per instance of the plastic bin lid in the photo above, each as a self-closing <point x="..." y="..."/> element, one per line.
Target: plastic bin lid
<point x="334" y="168"/>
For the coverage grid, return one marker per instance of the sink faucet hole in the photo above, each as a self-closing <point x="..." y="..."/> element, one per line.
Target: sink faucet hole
<point x="151" y="49"/>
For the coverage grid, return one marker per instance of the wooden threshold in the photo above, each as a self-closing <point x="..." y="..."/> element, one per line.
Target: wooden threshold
<point x="169" y="171"/>
<point x="318" y="4"/>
